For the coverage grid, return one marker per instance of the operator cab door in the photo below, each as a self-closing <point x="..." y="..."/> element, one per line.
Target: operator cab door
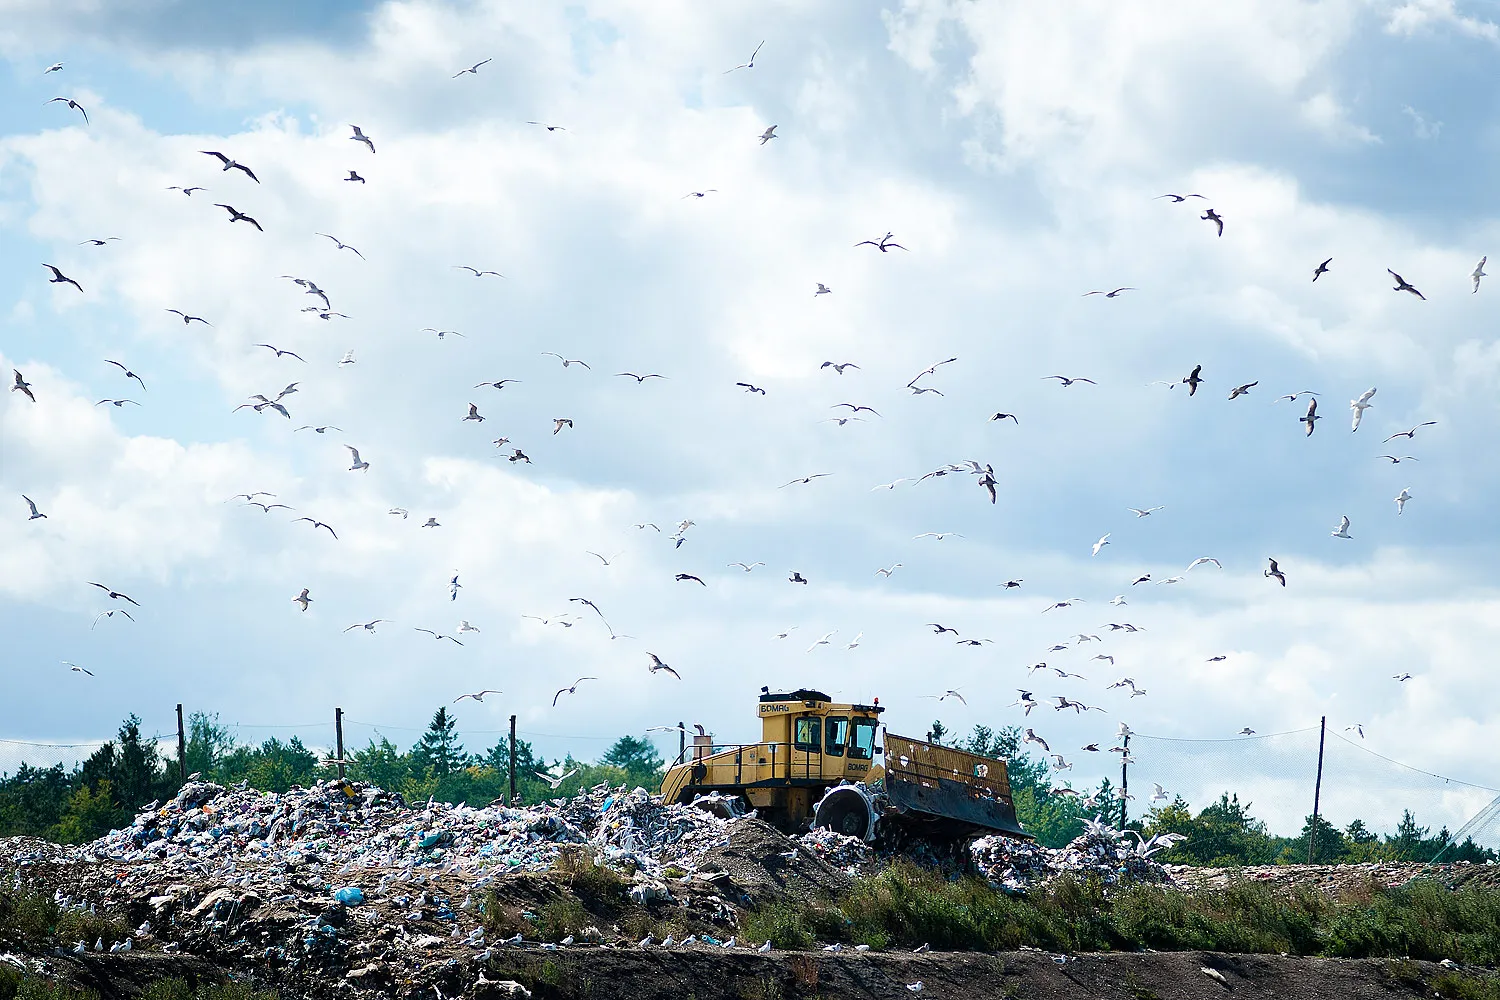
<point x="807" y="745"/>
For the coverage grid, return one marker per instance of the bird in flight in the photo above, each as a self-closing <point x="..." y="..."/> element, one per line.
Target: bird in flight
<point x="838" y="367"/>
<point x="698" y="194"/>
<point x="558" y="423"/>
<point x="58" y="278"/>
<point x="99" y="243"/>
<point x="316" y="525"/>
<point x="939" y="535"/>
<point x="302" y="599"/>
<point x="472" y="69"/>
<point x="768" y="135"/>
<point x="684" y="577"/>
<point x="549" y="128"/>
<point x="1193" y="381"/>
<point x="186" y="319"/>
<point x="883" y="244"/>
<point x="127" y="371"/>
<point x="474" y="412"/>
<point x="498" y="385"/>
<point x="1212" y="216"/>
<point x="570" y="689"/>
<point x="1006" y="416"/>
<point x="1293" y="396"/>
<point x="751" y="388"/>
<point x="805" y="479"/>
<point x="744" y="65"/>
<point x="438" y="636"/>
<point x="638" y="378"/>
<point x="747" y="567"/>
<point x="367" y="626"/>
<point x="75" y="668"/>
<point x="72" y="104"/>
<point x="116" y="402"/>
<point x="1275" y="571"/>
<point x="338" y="245"/>
<point x="354" y="176"/>
<point x="1402" y="285"/>
<point x="280" y="352"/>
<point x="886" y="571"/>
<point x="1241" y="390"/>
<point x="476" y="271"/>
<point x="477" y="695"/>
<point x="1342" y="531"/>
<point x="1178" y="199"/>
<point x="822" y="290"/>
<point x="1411" y="433"/>
<point x="1401" y="499"/>
<point x="1199" y="562"/>
<point x="1064" y="381"/>
<point x="52" y="69"/>
<point x="110" y="614"/>
<point x="797" y="577"/>
<point x="115" y="595"/>
<point x="1478" y="272"/>
<point x="320" y="429"/>
<point x="235" y="215"/>
<point x="1138" y="512"/>
<point x="231" y="164"/>
<point x="1110" y="295"/>
<point x="1101" y="543"/>
<point x="1397" y="460"/>
<point x="32" y="504"/>
<point x="565" y="361"/>
<point x="359" y="136"/>
<point x="658" y="665"/>
<point x="1312" y="418"/>
<point x="1359" y="406"/>
<point x="186" y="190"/>
<point x="1322" y="268"/>
<point x="357" y="464"/>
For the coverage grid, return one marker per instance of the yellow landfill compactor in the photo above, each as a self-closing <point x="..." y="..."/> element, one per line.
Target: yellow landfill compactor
<point x="818" y="763"/>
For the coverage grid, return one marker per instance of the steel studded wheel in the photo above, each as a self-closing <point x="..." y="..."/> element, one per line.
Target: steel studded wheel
<point x="844" y="813"/>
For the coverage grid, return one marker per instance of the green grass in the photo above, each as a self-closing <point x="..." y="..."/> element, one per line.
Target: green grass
<point x="906" y="906"/>
<point x="15" y="985"/>
<point x="32" y="920"/>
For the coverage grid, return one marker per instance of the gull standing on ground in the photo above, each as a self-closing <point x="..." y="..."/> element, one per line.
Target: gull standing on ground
<point x="1401" y="499"/>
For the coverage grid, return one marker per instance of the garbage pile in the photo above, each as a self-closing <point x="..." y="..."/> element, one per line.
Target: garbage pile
<point x="343" y="826"/>
<point x="1100" y="851"/>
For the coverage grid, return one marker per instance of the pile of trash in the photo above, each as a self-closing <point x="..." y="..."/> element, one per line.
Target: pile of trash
<point x="1100" y="851"/>
<point x="343" y="826"/>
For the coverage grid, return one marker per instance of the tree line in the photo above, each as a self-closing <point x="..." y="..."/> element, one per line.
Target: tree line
<point x="107" y="790"/>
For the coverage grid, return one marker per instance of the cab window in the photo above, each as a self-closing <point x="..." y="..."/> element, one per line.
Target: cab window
<point x="806" y="735"/>
<point x="835" y="735"/>
<point x="863" y="746"/>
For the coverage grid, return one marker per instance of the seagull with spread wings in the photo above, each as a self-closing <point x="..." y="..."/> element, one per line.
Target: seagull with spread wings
<point x="1409" y="435"/>
<point x="657" y="666"/>
<point x="477" y="695"/>
<point x="231" y="164"/>
<point x="58" y="278"/>
<point x="474" y="69"/>
<point x="747" y="65"/>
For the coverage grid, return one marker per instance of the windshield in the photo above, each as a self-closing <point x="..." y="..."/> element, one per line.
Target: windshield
<point x="835" y="734"/>
<point x="806" y="736"/>
<point x="863" y="747"/>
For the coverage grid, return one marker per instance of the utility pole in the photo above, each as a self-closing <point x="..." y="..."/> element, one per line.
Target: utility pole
<point x="681" y="743"/>
<point x="181" y="747"/>
<point x="1124" y="778"/>
<point x="1312" y="834"/>
<point x="338" y="732"/>
<point x="511" y="798"/>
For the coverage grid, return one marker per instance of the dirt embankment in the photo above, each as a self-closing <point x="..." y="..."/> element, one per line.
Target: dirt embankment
<point x="635" y="974"/>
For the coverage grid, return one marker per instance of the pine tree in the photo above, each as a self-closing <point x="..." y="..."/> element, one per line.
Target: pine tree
<point x="438" y="753"/>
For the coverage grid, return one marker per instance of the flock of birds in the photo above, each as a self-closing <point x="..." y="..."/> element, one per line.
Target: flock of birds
<point x="584" y="610"/>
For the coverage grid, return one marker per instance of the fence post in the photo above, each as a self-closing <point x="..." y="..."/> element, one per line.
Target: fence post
<point x="681" y="743"/>
<point x="181" y="747"/>
<point x="1124" y="779"/>
<point x="338" y="732"/>
<point x="1312" y="833"/>
<point x="511" y="798"/>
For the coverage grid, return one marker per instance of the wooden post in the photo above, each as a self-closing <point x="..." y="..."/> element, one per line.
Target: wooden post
<point x="181" y="747"/>
<point x="1124" y="779"/>
<point x="511" y="798"/>
<point x="1312" y="833"/>
<point x="681" y="743"/>
<point x="338" y="732"/>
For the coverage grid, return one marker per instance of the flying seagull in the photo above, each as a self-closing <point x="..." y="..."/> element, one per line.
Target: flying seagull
<point x="354" y="176"/>
<point x="367" y="626"/>
<point x="52" y="69"/>
<point x="1402" y="285"/>
<point x="1111" y="294"/>
<point x="476" y="271"/>
<point x="498" y="385"/>
<point x="280" y="352"/>
<point x="186" y="190"/>
<point x="565" y="361"/>
<point x="99" y="243"/>
<point x="58" y="278"/>
<point x="745" y="65"/>
<point x="1200" y="561"/>
<point x="768" y="135"/>
<point x="751" y="388"/>
<point x="1397" y="460"/>
<point x="1342" y="531"/>
<point x="359" y="136"/>
<point x="658" y="665"/>
<point x="684" y="577"/>
<point x="747" y="567"/>
<point x="1322" y="268"/>
<point x="110" y="614"/>
<point x="1101" y="543"/>
<point x="316" y="525"/>
<point x="438" y="636"/>
<point x="340" y="245"/>
<point x="805" y="479"/>
<point x="1241" y="390"/>
<point x="115" y="595"/>
<point x="1064" y="381"/>
<point x="75" y="668"/>
<point x="1144" y="513"/>
<point x="472" y="69"/>
<point x="939" y="535"/>
<point x="1359" y="406"/>
<point x="1178" y="199"/>
<point x="34" y="512"/>
<point x="302" y="599"/>
<point x="231" y="164"/>
<point x="1478" y="272"/>
<point x="1294" y="396"/>
<point x="1275" y="571"/>
<point x="186" y="319"/>
<point x="1401" y="499"/>
<point x="474" y="413"/>
<point x="1312" y="416"/>
<point x="22" y="385"/>
<point x="822" y="290"/>
<point x="320" y="429"/>
<point x="638" y="378"/>
<point x="357" y="464"/>
<point x="1212" y="216"/>
<point x="1411" y="433"/>
<point x="1193" y="381"/>
<point x="556" y="780"/>
<point x="883" y="244"/>
<point x="698" y="194"/>
<point x="558" y="423"/>
<point x="72" y="104"/>
<point x="477" y="695"/>
<point x="838" y="367"/>
<point x="235" y="215"/>
<point x="127" y="371"/>
<point x="549" y="128"/>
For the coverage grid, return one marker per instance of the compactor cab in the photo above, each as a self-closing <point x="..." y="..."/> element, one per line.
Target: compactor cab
<point x="821" y="763"/>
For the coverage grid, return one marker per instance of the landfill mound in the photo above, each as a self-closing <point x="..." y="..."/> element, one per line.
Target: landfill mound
<point x="761" y="862"/>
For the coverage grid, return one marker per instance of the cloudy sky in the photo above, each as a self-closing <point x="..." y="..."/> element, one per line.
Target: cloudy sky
<point x="1015" y="151"/>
